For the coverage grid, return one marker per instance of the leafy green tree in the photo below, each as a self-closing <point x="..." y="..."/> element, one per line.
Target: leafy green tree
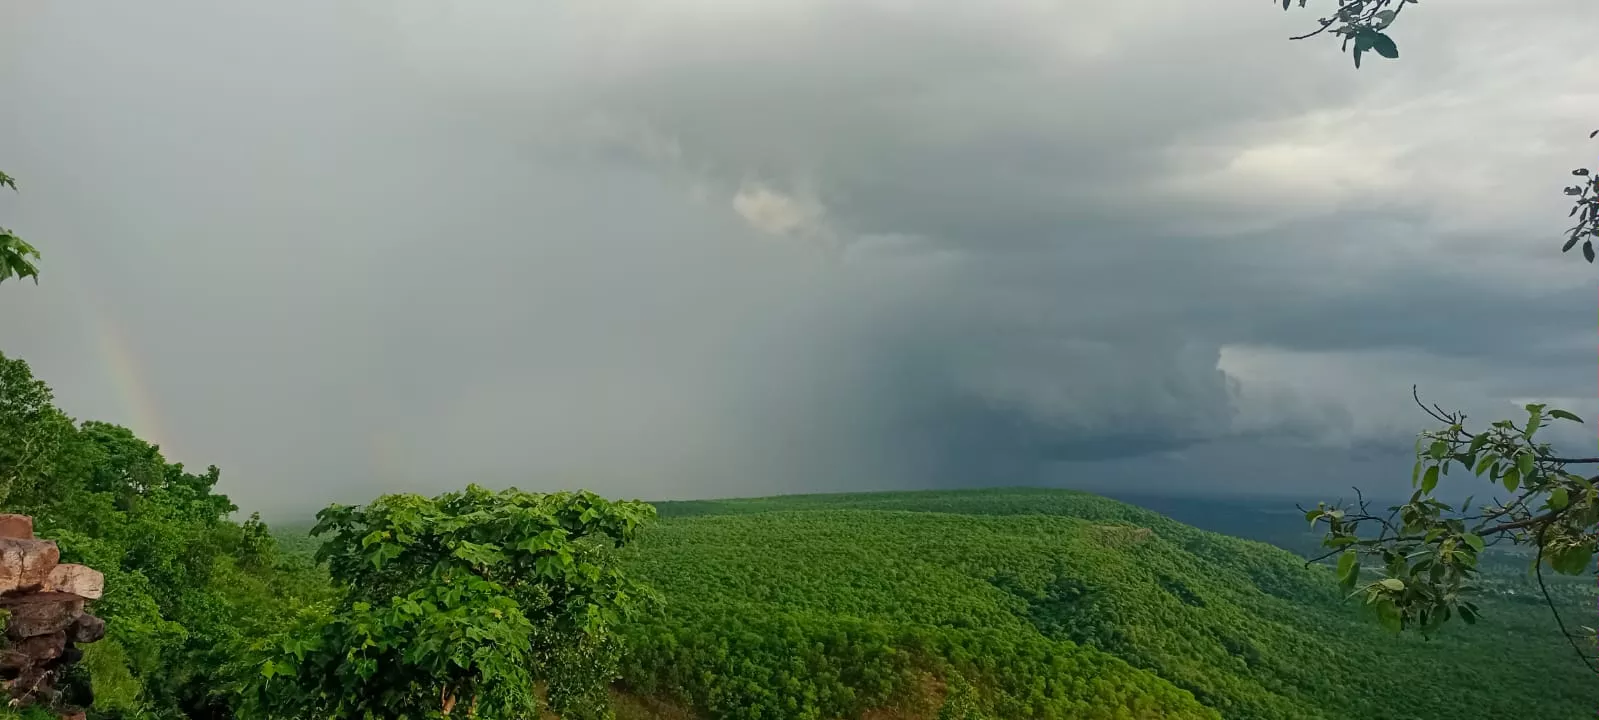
<point x="14" y="253"/>
<point x="32" y="431"/>
<point x="462" y="602"/>
<point x="184" y="586"/>
<point x="1425" y="551"/>
<point x="256" y="546"/>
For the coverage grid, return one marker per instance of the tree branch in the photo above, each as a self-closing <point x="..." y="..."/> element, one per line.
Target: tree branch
<point x="1522" y="523"/>
<point x="1537" y="568"/>
<point x="1325" y="24"/>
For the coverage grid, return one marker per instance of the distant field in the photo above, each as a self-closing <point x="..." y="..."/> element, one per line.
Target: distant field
<point x="1030" y="603"/>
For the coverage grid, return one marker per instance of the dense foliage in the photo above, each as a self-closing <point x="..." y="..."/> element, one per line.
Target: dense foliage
<point x="465" y="599"/>
<point x="184" y="586"/>
<point x="1047" y="604"/>
<point x="969" y="606"/>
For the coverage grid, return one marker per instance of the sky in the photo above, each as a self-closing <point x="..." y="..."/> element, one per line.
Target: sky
<point x="679" y="248"/>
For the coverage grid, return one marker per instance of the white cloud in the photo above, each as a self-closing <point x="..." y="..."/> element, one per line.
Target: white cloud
<point x="779" y="214"/>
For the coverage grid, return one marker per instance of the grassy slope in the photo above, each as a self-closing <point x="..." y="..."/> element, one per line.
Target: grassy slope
<point x="871" y="592"/>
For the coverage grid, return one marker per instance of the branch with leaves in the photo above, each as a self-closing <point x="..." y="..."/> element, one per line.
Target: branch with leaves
<point x="1424" y="552"/>
<point x="1585" y="208"/>
<point x="15" y="254"/>
<point x="1361" y="24"/>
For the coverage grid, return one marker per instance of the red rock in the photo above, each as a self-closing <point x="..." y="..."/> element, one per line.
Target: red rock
<point x="24" y="564"/>
<point x="41" y="613"/>
<point x="13" y="660"/>
<point x="41" y="649"/>
<point x="86" y="629"/>
<point x="28" y="683"/>
<point x="78" y="580"/>
<point x="16" y="526"/>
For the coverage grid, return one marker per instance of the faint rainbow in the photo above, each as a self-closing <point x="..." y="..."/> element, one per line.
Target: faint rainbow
<point x="120" y="364"/>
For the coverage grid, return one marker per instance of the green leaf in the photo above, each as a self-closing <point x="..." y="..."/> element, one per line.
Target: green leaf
<point x="1477" y="442"/>
<point x="1384" y="46"/>
<point x="1474" y="540"/>
<point x="1363" y="40"/>
<point x="1430" y="480"/>
<point x="1512" y="479"/>
<point x="1438" y="450"/>
<point x="1563" y="415"/>
<point x="1524" y="463"/>
<point x="1388" y="614"/>
<point x="1571" y="560"/>
<point x="1484" y="462"/>
<point x="1348" y="570"/>
<point x="1559" y="498"/>
<point x="1394" y="584"/>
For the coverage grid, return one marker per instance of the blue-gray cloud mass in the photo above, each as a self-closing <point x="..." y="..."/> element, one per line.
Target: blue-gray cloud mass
<point x="689" y="249"/>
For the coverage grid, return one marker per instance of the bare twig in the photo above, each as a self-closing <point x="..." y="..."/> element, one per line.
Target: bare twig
<point x="1523" y="523"/>
<point x="1537" y="568"/>
<point x="1325" y="24"/>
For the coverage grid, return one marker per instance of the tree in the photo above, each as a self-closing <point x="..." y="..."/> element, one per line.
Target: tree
<point x="465" y="600"/>
<point x="1428" y="550"/>
<point x="14" y="253"/>
<point x="32" y="430"/>
<point x="183" y="585"/>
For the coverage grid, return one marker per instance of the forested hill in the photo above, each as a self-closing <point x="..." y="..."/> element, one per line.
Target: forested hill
<point x="980" y="605"/>
<point x="1021" y="603"/>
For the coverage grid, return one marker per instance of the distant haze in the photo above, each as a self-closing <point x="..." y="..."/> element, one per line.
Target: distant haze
<point x="682" y="249"/>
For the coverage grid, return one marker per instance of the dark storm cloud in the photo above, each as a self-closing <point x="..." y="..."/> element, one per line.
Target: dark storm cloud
<point x="687" y="249"/>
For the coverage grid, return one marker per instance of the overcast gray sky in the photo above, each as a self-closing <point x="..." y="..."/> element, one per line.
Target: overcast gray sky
<point x="684" y="248"/>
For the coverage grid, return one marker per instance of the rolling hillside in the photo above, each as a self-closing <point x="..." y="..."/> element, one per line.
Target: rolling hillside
<point x="1034" y="603"/>
<point x="1048" y="604"/>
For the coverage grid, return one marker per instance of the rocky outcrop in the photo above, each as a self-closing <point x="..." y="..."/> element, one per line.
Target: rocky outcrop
<point x="45" y="619"/>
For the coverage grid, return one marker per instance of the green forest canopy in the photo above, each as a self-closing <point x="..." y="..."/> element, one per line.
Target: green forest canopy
<point x="982" y="604"/>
